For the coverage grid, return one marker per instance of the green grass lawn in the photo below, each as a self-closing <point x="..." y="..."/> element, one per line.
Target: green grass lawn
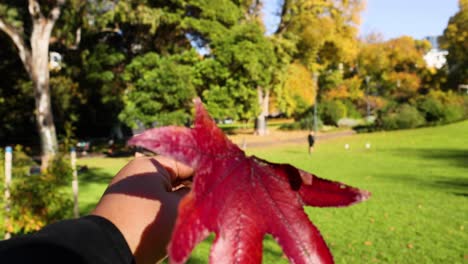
<point x="94" y="181"/>
<point x="418" y="212"/>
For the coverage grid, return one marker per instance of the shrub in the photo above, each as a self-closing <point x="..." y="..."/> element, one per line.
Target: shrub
<point x="453" y="113"/>
<point x="351" y="110"/>
<point x="332" y="111"/>
<point x="432" y="109"/>
<point x="365" y="128"/>
<point x="401" y="117"/>
<point x="440" y="107"/>
<point x="305" y="123"/>
<point x="37" y="200"/>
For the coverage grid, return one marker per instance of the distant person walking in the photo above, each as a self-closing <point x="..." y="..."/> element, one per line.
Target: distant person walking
<point x="311" y="140"/>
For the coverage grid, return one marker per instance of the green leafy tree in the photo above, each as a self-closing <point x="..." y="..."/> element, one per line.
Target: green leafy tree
<point x="239" y="60"/>
<point x="159" y="89"/>
<point x="210" y="83"/>
<point x="145" y="26"/>
<point x="169" y="28"/>
<point x="250" y="59"/>
<point x="100" y="67"/>
<point x="455" y="41"/>
<point x="232" y="33"/>
<point x="109" y="35"/>
<point x="325" y="32"/>
<point x="16" y="105"/>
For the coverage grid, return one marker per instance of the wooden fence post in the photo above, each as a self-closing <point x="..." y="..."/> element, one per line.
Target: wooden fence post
<point x="76" y="209"/>
<point x="8" y="161"/>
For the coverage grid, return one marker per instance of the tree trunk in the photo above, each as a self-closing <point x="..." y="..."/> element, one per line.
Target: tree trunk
<point x="263" y="102"/>
<point x="36" y="62"/>
<point x="42" y="29"/>
<point x="45" y="120"/>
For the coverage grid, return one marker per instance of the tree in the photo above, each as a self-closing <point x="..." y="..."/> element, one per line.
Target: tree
<point x="238" y="59"/>
<point x="159" y="89"/>
<point x="455" y="41"/>
<point x="321" y="35"/>
<point x="100" y="67"/>
<point x="33" y="51"/>
<point x="16" y="105"/>
<point x="109" y="35"/>
<point x="251" y="60"/>
<point x="394" y="66"/>
<point x="299" y="91"/>
<point x="370" y="60"/>
<point x="325" y="32"/>
<point x="232" y="34"/>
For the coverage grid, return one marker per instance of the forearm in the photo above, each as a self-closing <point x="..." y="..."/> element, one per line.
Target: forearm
<point x="147" y="227"/>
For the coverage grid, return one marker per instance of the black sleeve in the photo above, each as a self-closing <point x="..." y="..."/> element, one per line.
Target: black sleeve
<point x="90" y="239"/>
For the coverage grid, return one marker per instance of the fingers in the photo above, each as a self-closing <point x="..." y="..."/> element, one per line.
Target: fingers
<point x="177" y="170"/>
<point x="172" y="173"/>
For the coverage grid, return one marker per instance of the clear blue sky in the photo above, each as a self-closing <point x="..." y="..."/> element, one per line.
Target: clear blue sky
<point x="392" y="18"/>
<point x="416" y="18"/>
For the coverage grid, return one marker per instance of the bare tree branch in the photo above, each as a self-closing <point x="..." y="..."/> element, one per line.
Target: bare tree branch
<point x="23" y="51"/>
<point x="77" y="39"/>
<point x="283" y="24"/>
<point x="35" y="9"/>
<point x="55" y="12"/>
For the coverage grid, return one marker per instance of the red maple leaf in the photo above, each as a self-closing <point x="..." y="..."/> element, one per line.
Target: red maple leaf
<point x="242" y="198"/>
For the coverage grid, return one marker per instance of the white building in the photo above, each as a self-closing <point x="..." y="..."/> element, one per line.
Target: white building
<point x="436" y="58"/>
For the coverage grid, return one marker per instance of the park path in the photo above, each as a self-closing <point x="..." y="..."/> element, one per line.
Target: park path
<point x="279" y="138"/>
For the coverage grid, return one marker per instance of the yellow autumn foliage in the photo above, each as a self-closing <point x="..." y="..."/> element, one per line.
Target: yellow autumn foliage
<point x="299" y="89"/>
<point x="407" y="84"/>
<point x="349" y="89"/>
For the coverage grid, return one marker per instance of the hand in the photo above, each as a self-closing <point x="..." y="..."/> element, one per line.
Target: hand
<point x="142" y="202"/>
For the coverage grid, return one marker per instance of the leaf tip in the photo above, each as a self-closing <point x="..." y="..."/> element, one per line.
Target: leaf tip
<point x="197" y="101"/>
<point x="363" y="196"/>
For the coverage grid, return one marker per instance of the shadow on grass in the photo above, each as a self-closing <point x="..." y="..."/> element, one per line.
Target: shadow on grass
<point x="453" y="157"/>
<point x="454" y="184"/>
<point x="94" y="175"/>
<point x="297" y="150"/>
<point x="90" y="177"/>
<point x="457" y="186"/>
